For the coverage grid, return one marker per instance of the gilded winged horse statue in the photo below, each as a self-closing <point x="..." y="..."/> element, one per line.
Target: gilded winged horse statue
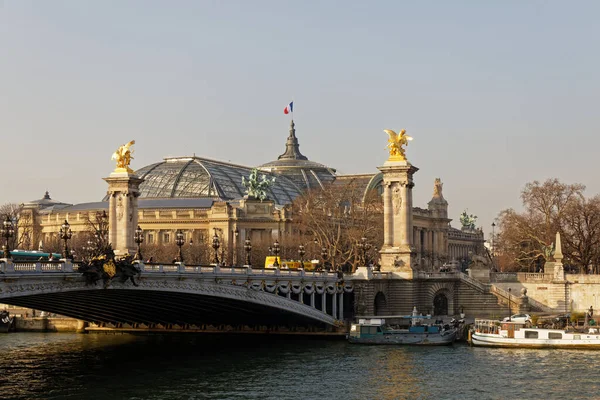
<point x="123" y="155"/>
<point x="396" y="141"/>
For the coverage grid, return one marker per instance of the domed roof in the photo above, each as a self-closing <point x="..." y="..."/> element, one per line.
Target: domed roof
<point x="46" y="203"/>
<point x="297" y="167"/>
<point x="193" y="177"/>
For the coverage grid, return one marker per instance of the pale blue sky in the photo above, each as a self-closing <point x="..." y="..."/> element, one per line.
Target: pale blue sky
<point x="496" y="94"/>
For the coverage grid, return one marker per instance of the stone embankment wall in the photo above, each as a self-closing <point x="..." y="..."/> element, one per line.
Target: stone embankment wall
<point x="32" y="324"/>
<point x="578" y="293"/>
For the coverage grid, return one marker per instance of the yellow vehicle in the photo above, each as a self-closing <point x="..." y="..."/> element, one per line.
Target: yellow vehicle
<point x="288" y="264"/>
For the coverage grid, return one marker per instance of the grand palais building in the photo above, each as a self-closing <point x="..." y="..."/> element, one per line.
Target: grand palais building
<point x="200" y="196"/>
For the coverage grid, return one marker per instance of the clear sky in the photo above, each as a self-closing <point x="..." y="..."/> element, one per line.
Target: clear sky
<point x="495" y="94"/>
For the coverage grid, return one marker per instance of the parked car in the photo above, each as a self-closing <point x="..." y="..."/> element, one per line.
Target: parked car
<point x="518" y="318"/>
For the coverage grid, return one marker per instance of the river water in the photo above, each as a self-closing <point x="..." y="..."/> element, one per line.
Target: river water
<point x="186" y="366"/>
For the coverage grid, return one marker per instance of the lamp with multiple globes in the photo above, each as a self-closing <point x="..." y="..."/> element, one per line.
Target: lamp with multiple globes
<point x="248" y="248"/>
<point x="276" y="250"/>
<point x="180" y="241"/>
<point x="65" y="234"/>
<point x="8" y="231"/>
<point x="216" y="243"/>
<point x="138" y="238"/>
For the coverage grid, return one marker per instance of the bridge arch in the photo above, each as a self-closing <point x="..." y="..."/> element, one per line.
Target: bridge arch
<point x="166" y="300"/>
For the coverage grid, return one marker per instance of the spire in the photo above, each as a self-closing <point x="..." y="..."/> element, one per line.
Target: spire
<point x="558" y="255"/>
<point x="292" y="148"/>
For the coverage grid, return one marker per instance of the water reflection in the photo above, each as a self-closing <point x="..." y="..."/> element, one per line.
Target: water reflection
<point x="53" y="366"/>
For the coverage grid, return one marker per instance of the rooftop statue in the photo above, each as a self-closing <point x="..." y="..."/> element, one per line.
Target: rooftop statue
<point x="256" y="188"/>
<point x="468" y="221"/>
<point x="123" y="155"/>
<point x="437" y="188"/>
<point x="396" y="141"/>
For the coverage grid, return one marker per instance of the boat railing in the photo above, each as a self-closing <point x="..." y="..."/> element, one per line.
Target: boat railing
<point x="487" y="325"/>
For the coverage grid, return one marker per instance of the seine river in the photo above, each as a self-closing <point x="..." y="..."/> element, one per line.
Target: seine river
<point x="97" y="366"/>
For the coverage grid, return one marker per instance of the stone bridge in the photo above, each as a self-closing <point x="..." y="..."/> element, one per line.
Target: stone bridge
<point x="181" y="296"/>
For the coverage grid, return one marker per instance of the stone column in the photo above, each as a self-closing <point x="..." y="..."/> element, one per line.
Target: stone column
<point x="388" y="222"/>
<point x="324" y="301"/>
<point x="341" y="306"/>
<point x="123" y="191"/>
<point x="398" y="253"/>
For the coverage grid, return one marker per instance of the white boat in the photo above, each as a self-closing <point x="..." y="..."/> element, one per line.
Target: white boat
<point x="491" y="333"/>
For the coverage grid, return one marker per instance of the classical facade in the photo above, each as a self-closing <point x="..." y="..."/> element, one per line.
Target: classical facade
<point x="201" y="196"/>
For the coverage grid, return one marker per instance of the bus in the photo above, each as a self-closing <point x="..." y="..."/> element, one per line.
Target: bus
<point x="32" y="255"/>
<point x="288" y="264"/>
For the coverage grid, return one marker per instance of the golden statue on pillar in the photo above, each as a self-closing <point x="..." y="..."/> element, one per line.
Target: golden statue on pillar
<point x="123" y="155"/>
<point x="396" y="141"/>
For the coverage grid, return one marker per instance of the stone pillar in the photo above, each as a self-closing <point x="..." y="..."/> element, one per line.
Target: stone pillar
<point x="123" y="191"/>
<point x="312" y="299"/>
<point x="341" y="306"/>
<point x="388" y="220"/>
<point x="398" y="253"/>
<point x="334" y="305"/>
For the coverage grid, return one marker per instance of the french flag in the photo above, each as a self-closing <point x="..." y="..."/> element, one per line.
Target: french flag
<point x="289" y="108"/>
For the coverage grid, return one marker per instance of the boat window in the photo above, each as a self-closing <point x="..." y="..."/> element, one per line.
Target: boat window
<point x="369" y="330"/>
<point x="379" y="329"/>
<point x="531" y="335"/>
<point x="576" y="337"/>
<point x="554" y="335"/>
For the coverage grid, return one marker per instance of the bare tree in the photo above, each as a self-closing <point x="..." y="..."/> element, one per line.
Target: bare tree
<point x="338" y="216"/>
<point x="581" y="232"/>
<point x="525" y="238"/>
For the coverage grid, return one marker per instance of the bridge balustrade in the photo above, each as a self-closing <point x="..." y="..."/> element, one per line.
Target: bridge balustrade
<point x="20" y="267"/>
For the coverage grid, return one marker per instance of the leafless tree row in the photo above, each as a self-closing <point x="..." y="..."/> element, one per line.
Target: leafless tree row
<point x="526" y="238"/>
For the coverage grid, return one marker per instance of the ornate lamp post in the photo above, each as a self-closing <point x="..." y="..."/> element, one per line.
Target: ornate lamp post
<point x="8" y="231"/>
<point x="493" y="249"/>
<point x="276" y="252"/>
<point x="248" y="248"/>
<point x="509" y="305"/>
<point x="301" y="253"/>
<point x="65" y="234"/>
<point x="236" y="234"/>
<point x="216" y="243"/>
<point x="324" y="255"/>
<point x="180" y="241"/>
<point x="138" y="238"/>
<point x="316" y="243"/>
